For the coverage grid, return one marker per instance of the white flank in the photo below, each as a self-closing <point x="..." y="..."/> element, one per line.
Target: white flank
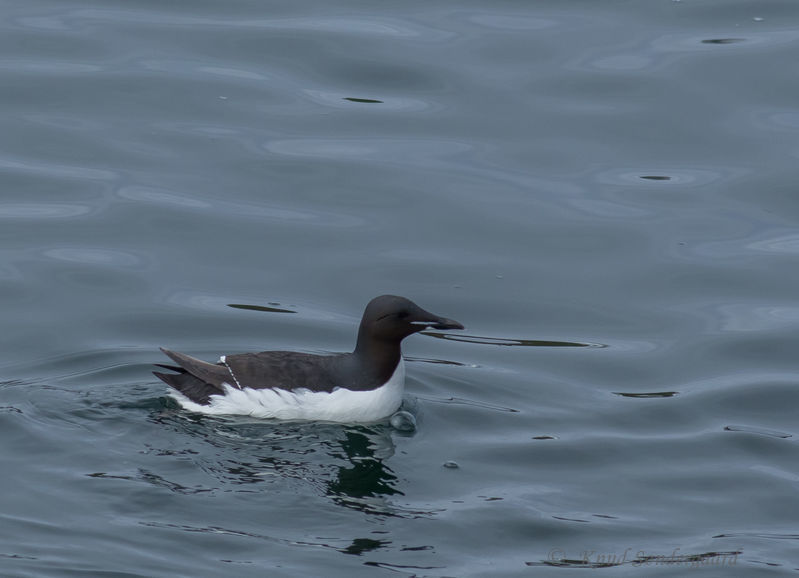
<point x="342" y="405"/>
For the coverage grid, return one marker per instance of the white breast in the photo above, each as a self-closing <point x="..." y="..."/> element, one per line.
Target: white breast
<point x="342" y="405"/>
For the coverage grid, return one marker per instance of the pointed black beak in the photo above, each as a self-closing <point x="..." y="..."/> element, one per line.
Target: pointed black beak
<point x="437" y="323"/>
<point x="444" y="323"/>
<point x="424" y="320"/>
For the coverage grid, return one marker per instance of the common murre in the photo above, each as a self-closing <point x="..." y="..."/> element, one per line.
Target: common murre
<point x="362" y="386"/>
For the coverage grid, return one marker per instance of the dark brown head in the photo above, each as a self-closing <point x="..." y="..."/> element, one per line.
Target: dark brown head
<point x="393" y="318"/>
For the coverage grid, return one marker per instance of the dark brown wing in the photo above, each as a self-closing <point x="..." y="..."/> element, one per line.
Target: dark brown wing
<point x="195" y="379"/>
<point x="284" y="370"/>
<point x="210" y="373"/>
<point x="195" y="389"/>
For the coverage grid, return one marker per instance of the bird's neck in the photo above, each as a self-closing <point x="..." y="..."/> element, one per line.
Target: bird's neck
<point x="378" y="357"/>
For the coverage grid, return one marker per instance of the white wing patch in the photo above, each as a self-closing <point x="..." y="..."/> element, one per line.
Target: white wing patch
<point x="341" y="405"/>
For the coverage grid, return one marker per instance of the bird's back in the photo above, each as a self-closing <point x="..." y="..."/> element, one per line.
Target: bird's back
<point x="287" y="370"/>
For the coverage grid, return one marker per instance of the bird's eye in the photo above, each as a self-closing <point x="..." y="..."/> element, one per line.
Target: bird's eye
<point x="403" y="314"/>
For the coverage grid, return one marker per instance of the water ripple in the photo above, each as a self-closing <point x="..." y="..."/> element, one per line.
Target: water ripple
<point x="787" y="243"/>
<point x="779" y="119"/>
<point x="42" y="211"/>
<point x="353" y="25"/>
<point x="160" y="197"/>
<point x="746" y="317"/>
<point x="345" y="100"/>
<point x="609" y="209"/>
<point x="55" y="171"/>
<point x="49" y="68"/>
<point x="213" y="302"/>
<point x="423" y="153"/>
<point x="777" y="242"/>
<point x="511" y="21"/>
<point x="63" y="121"/>
<point x="667" y="177"/>
<point x="144" y="194"/>
<point x="509" y="342"/>
<point x="228" y="71"/>
<point x="701" y="43"/>
<point x="42" y="22"/>
<point x="764" y="432"/>
<point x="191" y="69"/>
<point x="623" y="62"/>
<point x="94" y="256"/>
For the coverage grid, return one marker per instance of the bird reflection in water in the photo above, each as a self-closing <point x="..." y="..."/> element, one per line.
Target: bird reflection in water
<point x="347" y="463"/>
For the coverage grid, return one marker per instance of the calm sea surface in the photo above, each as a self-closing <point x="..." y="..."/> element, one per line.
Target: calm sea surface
<point x="604" y="193"/>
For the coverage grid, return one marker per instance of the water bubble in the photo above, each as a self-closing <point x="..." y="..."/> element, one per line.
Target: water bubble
<point x="403" y="421"/>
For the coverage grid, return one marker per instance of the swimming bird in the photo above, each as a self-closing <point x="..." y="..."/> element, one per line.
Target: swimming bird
<point x="363" y="386"/>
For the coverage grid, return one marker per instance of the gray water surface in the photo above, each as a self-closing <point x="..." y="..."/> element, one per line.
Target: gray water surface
<point x="604" y="193"/>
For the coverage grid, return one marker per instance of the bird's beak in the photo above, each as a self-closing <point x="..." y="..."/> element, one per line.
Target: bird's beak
<point x="436" y="322"/>
<point x="444" y="323"/>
